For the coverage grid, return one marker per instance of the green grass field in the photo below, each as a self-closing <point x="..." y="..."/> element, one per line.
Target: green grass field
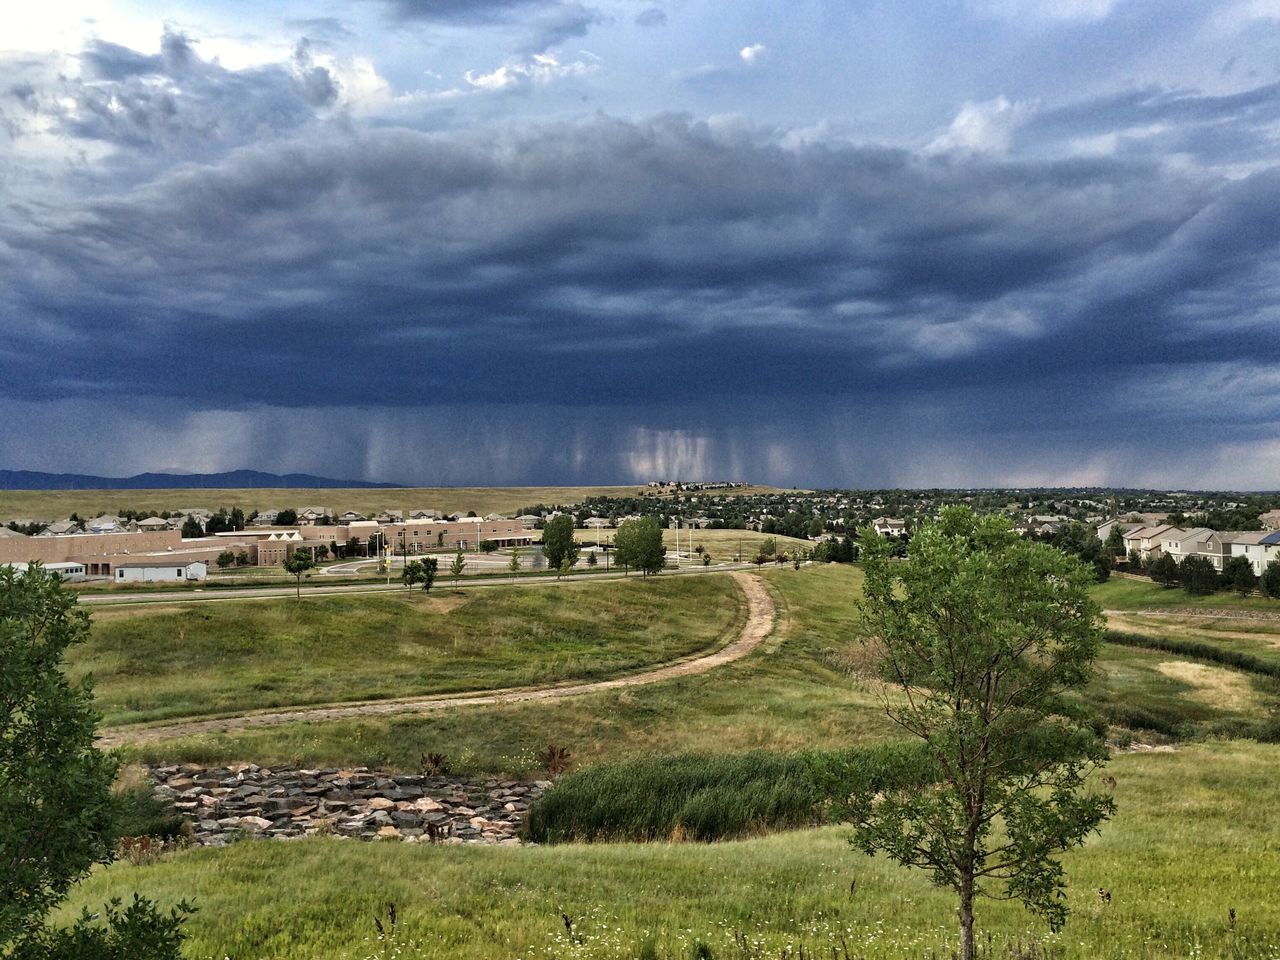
<point x="1124" y="593"/>
<point x="1194" y="838"/>
<point x="811" y="685"/>
<point x="794" y="692"/>
<point x="55" y="504"/>
<point x="160" y="661"/>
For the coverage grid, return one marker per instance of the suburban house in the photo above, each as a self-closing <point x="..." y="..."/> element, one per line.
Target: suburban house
<point x="889" y="527"/>
<point x="1261" y="551"/>
<point x="154" y="523"/>
<point x="1146" y="540"/>
<point x="1271" y="520"/>
<point x="1181" y="544"/>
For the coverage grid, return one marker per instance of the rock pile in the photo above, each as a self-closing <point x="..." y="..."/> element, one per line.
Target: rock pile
<point x="246" y="800"/>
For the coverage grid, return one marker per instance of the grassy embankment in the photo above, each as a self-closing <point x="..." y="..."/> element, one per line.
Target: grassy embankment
<point x="1126" y="593"/>
<point x="793" y="693"/>
<point x="55" y="504"/>
<point x="809" y="686"/>
<point x="1195" y="837"/>
<point x="154" y="662"/>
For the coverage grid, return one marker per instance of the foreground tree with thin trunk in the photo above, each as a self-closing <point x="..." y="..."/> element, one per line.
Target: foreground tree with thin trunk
<point x="982" y="634"/>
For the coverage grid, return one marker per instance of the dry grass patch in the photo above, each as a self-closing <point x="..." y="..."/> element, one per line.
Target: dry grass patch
<point x="1212" y="686"/>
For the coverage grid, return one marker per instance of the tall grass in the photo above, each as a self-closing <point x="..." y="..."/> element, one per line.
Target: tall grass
<point x="699" y="796"/>
<point x="1198" y="650"/>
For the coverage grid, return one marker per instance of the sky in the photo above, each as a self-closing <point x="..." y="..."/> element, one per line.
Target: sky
<point x="820" y="243"/>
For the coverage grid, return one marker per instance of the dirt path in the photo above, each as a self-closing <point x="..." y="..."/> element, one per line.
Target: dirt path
<point x="761" y="616"/>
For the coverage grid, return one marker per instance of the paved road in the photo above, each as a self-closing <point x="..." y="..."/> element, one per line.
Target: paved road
<point x="761" y="615"/>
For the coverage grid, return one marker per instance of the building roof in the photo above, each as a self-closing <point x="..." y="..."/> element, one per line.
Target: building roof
<point x="7" y="534"/>
<point x="1271" y="539"/>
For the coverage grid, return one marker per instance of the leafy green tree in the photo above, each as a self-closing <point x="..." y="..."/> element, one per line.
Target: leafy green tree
<point x="242" y="558"/>
<point x="56" y="808"/>
<point x="565" y="568"/>
<point x="457" y="566"/>
<point x="1238" y="575"/>
<point x="1270" y="580"/>
<point x="1163" y="570"/>
<point x="558" y="542"/>
<point x="298" y="563"/>
<point x="286" y="518"/>
<point x="488" y="546"/>
<point x="1115" y="541"/>
<point x="982" y="635"/>
<point x="191" y="528"/>
<point x="411" y="574"/>
<point x="1197" y="576"/>
<point x="513" y="565"/>
<point x="591" y="560"/>
<point x="639" y="544"/>
<point x="322" y="551"/>
<point x="1080" y="541"/>
<point x="237" y="518"/>
<point x="225" y="559"/>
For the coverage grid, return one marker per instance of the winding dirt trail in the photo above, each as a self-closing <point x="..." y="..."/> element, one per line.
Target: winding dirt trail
<point x="761" y="616"/>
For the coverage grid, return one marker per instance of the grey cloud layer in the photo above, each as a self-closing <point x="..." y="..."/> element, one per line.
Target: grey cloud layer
<point x="697" y="292"/>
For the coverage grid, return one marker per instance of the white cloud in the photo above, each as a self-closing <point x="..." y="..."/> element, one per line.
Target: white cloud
<point x="753" y="53"/>
<point x="986" y="127"/>
<point x="543" y="68"/>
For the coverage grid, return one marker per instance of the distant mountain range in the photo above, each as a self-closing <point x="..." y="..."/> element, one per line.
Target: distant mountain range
<point x="232" y="479"/>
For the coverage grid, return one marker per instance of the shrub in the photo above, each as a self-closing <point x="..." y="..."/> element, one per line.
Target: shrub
<point x="713" y="796"/>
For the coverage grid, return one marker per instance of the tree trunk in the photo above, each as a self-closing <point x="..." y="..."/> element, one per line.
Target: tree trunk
<point x="966" y="917"/>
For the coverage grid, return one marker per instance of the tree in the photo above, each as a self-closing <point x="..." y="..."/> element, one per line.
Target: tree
<point x="1238" y="575"/>
<point x="298" y="563"/>
<point x="1197" y="575"/>
<point x="56" y="809"/>
<point x="455" y="568"/>
<point x="322" y="551"/>
<point x="558" y="542"/>
<point x="237" y="518"/>
<point x="488" y="546"/>
<point x="591" y="560"/>
<point x="981" y="634"/>
<point x="420" y="571"/>
<point x="286" y="518"/>
<point x="191" y="528"/>
<point x="1270" y="580"/>
<point x="242" y="558"/>
<point x="1115" y="541"/>
<point x="513" y="565"/>
<point x="1163" y="570"/>
<point x="566" y="567"/>
<point x="225" y="559"/>
<point x="639" y="544"/>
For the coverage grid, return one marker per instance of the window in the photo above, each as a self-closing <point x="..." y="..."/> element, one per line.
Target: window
<point x="179" y="571"/>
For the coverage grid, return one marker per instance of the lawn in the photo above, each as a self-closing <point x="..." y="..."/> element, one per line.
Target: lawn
<point x="793" y="692"/>
<point x="810" y="685"/>
<point x="1125" y="593"/>
<point x="56" y="504"/>
<point x="162" y="661"/>
<point x="1194" y="838"/>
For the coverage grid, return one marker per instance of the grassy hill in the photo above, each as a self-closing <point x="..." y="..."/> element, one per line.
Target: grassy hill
<point x="152" y="663"/>
<point x="1194" y="838"/>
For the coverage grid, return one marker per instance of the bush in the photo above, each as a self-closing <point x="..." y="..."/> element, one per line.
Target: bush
<point x="713" y="796"/>
<point x="1200" y="651"/>
<point x="1198" y="576"/>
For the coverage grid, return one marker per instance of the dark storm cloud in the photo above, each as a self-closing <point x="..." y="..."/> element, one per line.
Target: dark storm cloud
<point x="625" y="254"/>
<point x="252" y="252"/>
